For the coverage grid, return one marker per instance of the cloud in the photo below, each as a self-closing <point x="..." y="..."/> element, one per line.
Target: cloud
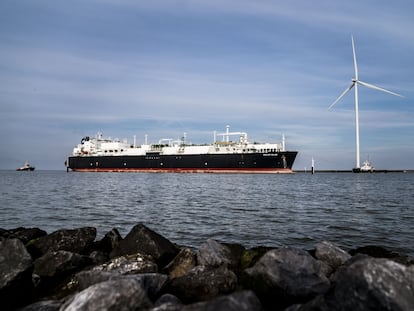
<point x="126" y="67"/>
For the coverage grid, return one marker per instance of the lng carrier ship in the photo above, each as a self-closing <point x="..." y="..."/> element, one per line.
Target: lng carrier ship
<point x="100" y="154"/>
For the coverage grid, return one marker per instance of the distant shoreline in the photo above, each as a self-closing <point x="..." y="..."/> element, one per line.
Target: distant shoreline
<point x="308" y="171"/>
<point x="350" y="171"/>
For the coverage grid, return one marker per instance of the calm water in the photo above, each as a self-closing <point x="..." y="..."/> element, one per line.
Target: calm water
<point x="296" y="210"/>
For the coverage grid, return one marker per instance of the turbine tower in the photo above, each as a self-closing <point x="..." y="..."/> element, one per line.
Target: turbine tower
<point x="354" y="84"/>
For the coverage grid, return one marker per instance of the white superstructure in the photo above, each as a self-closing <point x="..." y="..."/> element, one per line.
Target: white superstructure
<point x="99" y="146"/>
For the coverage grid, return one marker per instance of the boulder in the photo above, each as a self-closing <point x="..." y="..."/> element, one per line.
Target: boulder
<point x="331" y="254"/>
<point x="45" y="305"/>
<point x="381" y="252"/>
<point x="372" y="284"/>
<point x="152" y="283"/>
<point x="86" y="278"/>
<point x="109" y="242"/>
<point x="250" y="256"/>
<point x="285" y="276"/>
<point x="75" y="241"/>
<point x="181" y="264"/>
<point x="374" y="251"/>
<point x="129" y="264"/>
<point x="23" y="234"/>
<point x="367" y="283"/>
<point x="59" y="263"/>
<point x="168" y="302"/>
<point x="214" y="254"/>
<point x="15" y="273"/>
<point x="203" y="283"/>
<point x="121" y="294"/>
<point x="51" y="270"/>
<point x="238" y="301"/>
<point x="98" y="257"/>
<point x="145" y="241"/>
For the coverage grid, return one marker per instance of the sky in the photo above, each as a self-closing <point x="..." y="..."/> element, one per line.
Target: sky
<point x="69" y="69"/>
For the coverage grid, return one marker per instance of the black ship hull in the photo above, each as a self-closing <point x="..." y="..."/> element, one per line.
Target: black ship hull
<point x="277" y="162"/>
<point x="25" y="169"/>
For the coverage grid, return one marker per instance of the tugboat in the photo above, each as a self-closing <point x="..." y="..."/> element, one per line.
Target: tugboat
<point x="365" y="168"/>
<point x="26" y="167"/>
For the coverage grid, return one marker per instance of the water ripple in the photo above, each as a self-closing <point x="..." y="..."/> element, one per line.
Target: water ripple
<point x="274" y="210"/>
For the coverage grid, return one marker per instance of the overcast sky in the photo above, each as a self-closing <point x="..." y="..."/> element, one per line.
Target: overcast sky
<point x="127" y="67"/>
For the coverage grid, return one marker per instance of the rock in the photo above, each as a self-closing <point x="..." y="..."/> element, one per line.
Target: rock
<point x="331" y="254"/>
<point x="59" y="263"/>
<point x="23" y="234"/>
<point x="203" y="283"/>
<point x="52" y="268"/>
<point x="381" y="252"/>
<point x="152" y="283"/>
<point x="238" y="301"/>
<point x="282" y="278"/>
<point x="373" y="284"/>
<point x="145" y="241"/>
<point x="109" y="242"/>
<point x="129" y="264"/>
<point x="374" y="251"/>
<point x="15" y="273"/>
<point x="214" y="254"/>
<point x="75" y="241"/>
<point x="86" y="278"/>
<point x="46" y="305"/>
<point x="285" y="276"/>
<point x="317" y="304"/>
<point x="181" y="264"/>
<point x="122" y="294"/>
<point x="168" y="302"/>
<point x="98" y="257"/>
<point x="252" y="255"/>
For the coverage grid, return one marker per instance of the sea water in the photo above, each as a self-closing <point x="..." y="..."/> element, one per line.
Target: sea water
<point x="296" y="210"/>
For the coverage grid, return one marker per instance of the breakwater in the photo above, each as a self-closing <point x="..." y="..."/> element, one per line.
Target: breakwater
<point x="72" y="270"/>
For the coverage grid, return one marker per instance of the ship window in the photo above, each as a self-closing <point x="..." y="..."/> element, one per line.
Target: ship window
<point x="116" y="150"/>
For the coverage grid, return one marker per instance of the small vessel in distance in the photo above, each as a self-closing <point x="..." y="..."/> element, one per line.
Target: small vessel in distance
<point x="26" y="167"/>
<point x="226" y="156"/>
<point x="365" y="168"/>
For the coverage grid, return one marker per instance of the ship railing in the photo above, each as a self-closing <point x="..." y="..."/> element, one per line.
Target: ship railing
<point x="225" y="143"/>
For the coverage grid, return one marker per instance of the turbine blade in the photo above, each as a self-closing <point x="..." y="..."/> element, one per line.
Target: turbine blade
<point x="355" y="61"/>
<point x="371" y="86"/>
<point x="342" y="95"/>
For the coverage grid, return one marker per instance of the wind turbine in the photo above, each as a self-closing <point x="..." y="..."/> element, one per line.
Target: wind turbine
<point x="354" y="84"/>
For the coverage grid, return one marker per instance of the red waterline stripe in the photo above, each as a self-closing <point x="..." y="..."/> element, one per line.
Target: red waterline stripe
<point x="190" y="170"/>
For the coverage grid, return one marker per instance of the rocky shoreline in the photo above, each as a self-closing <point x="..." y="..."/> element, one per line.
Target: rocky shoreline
<point x="71" y="270"/>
